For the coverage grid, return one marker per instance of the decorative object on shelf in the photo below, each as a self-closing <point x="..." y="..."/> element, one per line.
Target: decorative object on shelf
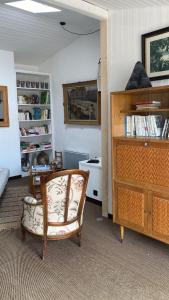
<point x="34" y="99"/>
<point x="4" y="116"/>
<point x="57" y="163"/>
<point x="138" y="78"/>
<point x="155" y="53"/>
<point x="42" y="158"/>
<point x="82" y="103"/>
<point x="27" y="84"/>
<point x="36" y="113"/>
<point x="37" y="84"/>
<point x="25" y="163"/>
<point x="22" y="83"/>
<point x="45" y="98"/>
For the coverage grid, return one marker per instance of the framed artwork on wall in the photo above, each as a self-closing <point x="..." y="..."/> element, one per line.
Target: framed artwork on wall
<point x="155" y="53"/>
<point x="4" y="116"/>
<point x="82" y="103"/>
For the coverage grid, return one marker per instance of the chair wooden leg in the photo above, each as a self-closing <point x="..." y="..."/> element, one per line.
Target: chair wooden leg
<point x="23" y="233"/>
<point x="44" y="250"/>
<point x="121" y="233"/>
<point x="79" y="238"/>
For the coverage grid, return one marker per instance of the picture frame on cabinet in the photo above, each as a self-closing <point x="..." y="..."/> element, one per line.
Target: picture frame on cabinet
<point x="82" y="103"/>
<point x="155" y="53"/>
<point x="4" y="115"/>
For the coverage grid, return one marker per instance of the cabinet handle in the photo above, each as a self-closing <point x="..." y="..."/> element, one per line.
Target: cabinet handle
<point x="145" y="144"/>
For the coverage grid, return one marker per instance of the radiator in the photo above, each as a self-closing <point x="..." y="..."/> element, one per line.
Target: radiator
<point x="71" y="159"/>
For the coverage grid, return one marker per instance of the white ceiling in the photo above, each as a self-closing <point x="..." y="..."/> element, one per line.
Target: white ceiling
<point x="36" y="37"/>
<point x="120" y="4"/>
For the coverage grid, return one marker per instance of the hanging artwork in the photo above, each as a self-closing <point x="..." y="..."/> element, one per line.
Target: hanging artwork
<point x="4" y="116"/>
<point x="155" y="53"/>
<point x="81" y="103"/>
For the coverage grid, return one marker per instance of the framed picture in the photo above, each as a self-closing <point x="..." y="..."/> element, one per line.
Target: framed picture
<point x="82" y="103"/>
<point x="4" y="116"/>
<point x="155" y="53"/>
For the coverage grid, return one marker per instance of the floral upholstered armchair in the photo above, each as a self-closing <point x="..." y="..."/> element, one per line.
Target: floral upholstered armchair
<point x="59" y="214"/>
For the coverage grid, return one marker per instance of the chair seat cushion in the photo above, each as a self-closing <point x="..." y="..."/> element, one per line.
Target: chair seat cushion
<point x="33" y="221"/>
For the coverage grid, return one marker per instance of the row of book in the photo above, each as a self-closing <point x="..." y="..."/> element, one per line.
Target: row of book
<point x="28" y="147"/>
<point x="37" y="130"/>
<point x="147" y="126"/>
<point x="37" y="114"/>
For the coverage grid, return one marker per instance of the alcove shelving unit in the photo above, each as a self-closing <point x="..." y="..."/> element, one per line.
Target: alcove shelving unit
<point x="34" y="99"/>
<point x="140" y="165"/>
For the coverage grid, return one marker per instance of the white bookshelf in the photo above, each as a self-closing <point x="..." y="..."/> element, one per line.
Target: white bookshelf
<point x="34" y="83"/>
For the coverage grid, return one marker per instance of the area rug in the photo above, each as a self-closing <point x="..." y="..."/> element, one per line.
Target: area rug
<point x="11" y="206"/>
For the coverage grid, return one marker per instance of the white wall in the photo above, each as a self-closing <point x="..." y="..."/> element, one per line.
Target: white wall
<point x="9" y="136"/>
<point x="77" y="62"/>
<point x="125" y="30"/>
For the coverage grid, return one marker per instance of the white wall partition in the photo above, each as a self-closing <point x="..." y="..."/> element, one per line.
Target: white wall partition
<point x="77" y="62"/>
<point x="9" y="136"/>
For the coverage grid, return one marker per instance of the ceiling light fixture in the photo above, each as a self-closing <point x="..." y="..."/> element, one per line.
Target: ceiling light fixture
<point x="63" y="24"/>
<point x="33" y="6"/>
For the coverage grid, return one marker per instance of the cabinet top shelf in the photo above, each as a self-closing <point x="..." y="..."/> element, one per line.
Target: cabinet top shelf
<point x="32" y="89"/>
<point x="152" y="90"/>
<point x="39" y="120"/>
<point x="142" y="139"/>
<point x="35" y="105"/>
<point x="34" y="135"/>
<point x="134" y="111"/>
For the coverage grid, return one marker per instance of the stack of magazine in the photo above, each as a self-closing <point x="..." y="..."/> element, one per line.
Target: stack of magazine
<point x="148" y="105"/>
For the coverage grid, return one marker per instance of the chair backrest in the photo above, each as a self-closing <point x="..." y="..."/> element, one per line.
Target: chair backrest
<point x="63" y="195"/>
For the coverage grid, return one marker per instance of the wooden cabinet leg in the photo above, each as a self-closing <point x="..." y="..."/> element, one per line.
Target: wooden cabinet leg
<point x="121" y="233"/>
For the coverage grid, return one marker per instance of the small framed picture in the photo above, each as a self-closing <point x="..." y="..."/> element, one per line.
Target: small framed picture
<point x="155" y="53"/>
<point x="82" y="103"/>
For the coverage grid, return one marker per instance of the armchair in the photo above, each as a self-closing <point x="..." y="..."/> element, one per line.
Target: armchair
<point x="59" y="214"/>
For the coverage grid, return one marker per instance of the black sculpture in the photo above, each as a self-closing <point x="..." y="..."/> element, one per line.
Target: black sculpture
<point x="138" y="78"/>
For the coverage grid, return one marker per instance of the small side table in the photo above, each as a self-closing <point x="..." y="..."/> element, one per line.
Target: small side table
<point x="34" y="180"/>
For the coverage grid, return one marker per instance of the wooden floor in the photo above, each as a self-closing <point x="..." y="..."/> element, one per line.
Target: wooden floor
<point x="11" y="203"/>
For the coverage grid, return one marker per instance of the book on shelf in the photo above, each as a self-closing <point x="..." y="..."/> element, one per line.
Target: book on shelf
<point x="28" y="147"/>
<point x="37" y="130"/>
<point x="146" y="126"/>
<point x="147" y="105"/>
<point x="41" y="167"/>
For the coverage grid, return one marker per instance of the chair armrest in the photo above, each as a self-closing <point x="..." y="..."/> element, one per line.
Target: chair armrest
<point x="32" y="201"/>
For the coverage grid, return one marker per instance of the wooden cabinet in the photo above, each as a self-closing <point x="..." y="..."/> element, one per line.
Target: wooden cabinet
<point x="140" y="172"/>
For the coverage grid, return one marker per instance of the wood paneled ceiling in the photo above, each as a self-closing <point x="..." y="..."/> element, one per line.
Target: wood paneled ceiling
<point x="36" y="37"/>
<point x="121" y="4"/>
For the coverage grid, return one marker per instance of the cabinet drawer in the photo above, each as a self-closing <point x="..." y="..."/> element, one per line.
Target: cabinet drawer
<point x="142" y="162"/>
<point x="130" y="207"/>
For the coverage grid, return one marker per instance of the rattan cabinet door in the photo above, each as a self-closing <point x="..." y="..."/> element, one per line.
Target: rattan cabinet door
<point x="130" y="207"/>
<point x="159" y="216"/>
<point x="134" y="161"/>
